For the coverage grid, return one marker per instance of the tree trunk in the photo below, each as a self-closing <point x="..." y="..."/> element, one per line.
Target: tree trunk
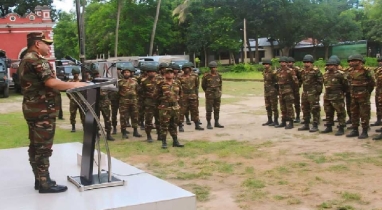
<point x="250" y="51"/>
<point x="154" y="28"/>
<point x="326" y="52"/>
<point x="257" y="59"/>
<point x="205" y="56"/>
<point x="272" y="49"/>
<point x="117" y="28"/>
<point x="285" y="51"/>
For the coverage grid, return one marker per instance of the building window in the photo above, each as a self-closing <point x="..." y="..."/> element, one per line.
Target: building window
<point x="32" y="17"/>
<point x="12" y="18"/>
<point x="46" y="14"/>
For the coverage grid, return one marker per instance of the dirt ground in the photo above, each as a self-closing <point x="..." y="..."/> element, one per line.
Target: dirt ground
<point x="282" y="169"/>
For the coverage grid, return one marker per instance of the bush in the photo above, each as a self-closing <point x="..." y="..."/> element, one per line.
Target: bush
<point x="370" y="61"/>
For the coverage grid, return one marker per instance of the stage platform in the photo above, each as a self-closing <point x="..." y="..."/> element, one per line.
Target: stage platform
<point x="141" y="191"/>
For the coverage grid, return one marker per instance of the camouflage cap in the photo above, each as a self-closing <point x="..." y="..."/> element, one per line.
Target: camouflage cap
<point x="150" y="68"/>
<point x="175" y="66"/>
<point x="332" y="61"/>
<point x="336" y="58"/>
<point x="191" y="64"/>
<point x="308" y="58"/>
<point x="76" y="70"/>
<point x="186" y="65"/>
<point x="283" y="59"/>
<point x="169" y="69"/>
<point x="267" y="61"/>
<point x="163" y="65"/>
<point x="357" y="58"/>
<point x="213" y="64"/>
<point x="38" y="36"/>
<point x="291" y="59"/>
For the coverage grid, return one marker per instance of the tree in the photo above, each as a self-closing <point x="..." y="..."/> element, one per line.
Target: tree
<point x="6" y="6"/>
<point x="26" y="6"/>
<point x="154" y="27"/>
<point x="66" y="36"/>
<point x="117" y="27"/>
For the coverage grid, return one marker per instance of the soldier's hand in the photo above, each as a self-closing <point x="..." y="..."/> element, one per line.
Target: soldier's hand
<point x="79" y="84"/>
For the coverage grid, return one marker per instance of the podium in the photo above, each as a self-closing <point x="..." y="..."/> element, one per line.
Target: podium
<point x="88" y="98"/>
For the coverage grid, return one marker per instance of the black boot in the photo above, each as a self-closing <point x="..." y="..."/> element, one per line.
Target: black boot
<point x="197" y="126"/>
<point x="73" y="128"/>
<point x="209" y="126"/>
<point x="340" y="131"/>
<point x="37" y="183"/>
<point x="142" y="125"/>
<point x="136" y="134"/>
<point x="377" y="123"/>
<point x="379" y="130"/>
<point x="314" y="128"/>
<point x="217" y="125"/>
<point x="348" y="122"/>
<point x="49" y="186"/>
<point x="353" y="133"/>
<point x="283" y="124"/>
<point x="269" y="120"/>
<point x="109" y="137"/>
<point x="379" y="137"/>
<point x="149" y="139"/>
<point x="175" y="142"/>
<point x="363" y="134"/>
<point x="328" y="129"/>
<point x="297" y="120"/>
<point x="199" y="122"/>
<point x="114" y="130"/>
<point x="181" y="129"/>
<point x="275" y="121"/>
<point x="305" y="127"/>
<point x="124" y="134"/>
<point x="128" y="123"/>
<point x="164" y="143"/>
<point x="159" y="138"/>
<point x="188" y="122"/>
<point x="290" y="125"/>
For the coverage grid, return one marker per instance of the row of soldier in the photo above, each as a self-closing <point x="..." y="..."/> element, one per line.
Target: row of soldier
<point x="355" y="84"/>
<point x="165" y="97"/>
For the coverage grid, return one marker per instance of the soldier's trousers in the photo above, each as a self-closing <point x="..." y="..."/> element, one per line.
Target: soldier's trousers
<point x="378" y="103"/>
<point x="191" y="105"/>
<point x="271" y="103"/>
<point x="128" y="109"/>
<point x="73" y="107"/>
<point x="105" y="111"/>
<point x="331" y="106"/>
<point x="168" y="122"/>
<point x="212" y="104"/>
<point x="41" y="134"/>
<point x="286" y="106"/>
<point x="348" y="103"/>
<point x="297" y="103"/>
<point x="114" y="112"/>
<point x="360" y="108"/>
<point x="141" y="110"/>
<point x="310" y="105"/>
<point x="60" y="113"/>
<point x="150" y="113"/>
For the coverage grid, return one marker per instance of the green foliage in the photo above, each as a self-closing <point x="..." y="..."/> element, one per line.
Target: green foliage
<point x="320" y="63"/>
<point x="371" y="61"/>
<point x="243" y="67"/>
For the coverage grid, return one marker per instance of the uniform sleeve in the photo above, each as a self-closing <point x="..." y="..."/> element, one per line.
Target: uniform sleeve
<point x="221" y="82"/>
<point x="371" y="83"/>
<point x="204" y="83"/>
<point x="43" y="70"/>
<point x="320" y="81"/>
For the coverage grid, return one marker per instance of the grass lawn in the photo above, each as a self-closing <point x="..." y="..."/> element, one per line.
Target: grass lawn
<point x="243" y="75"/>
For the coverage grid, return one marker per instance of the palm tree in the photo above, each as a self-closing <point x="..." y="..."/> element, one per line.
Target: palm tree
<point x="117" y="28"/>
<point x="154" y="27"/>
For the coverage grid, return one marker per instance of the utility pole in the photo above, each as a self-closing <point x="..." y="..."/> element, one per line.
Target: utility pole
<point x="81" y="35"/>
<point x="245" y="41"/>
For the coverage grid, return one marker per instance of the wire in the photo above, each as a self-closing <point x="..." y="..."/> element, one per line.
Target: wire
<point x="125" y="174"/>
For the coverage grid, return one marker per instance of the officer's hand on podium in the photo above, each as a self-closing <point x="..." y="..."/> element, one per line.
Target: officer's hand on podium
<point x="79" y="84"/>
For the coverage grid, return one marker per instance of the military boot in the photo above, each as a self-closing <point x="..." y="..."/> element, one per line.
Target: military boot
<point x="46" y="186"/>
<point x="379" y="137"/>
<point x="297" y="120"/>
<point x="209" y="126"/>
<point x="377" y="123"/>
<point x="197" y="126"/>
<point x="73" y="128"/>
<point x="109" y="137"/>
<point x="128" y="123"/>
<point x="142" y="125"/>
<point x="175" y="142"/>
<point x="114" y="130"/>
<point x="269" y="120"/>
<point x="188" y="122"/>
<point x="348" y="122"/>
<point x="200" y="123"/>
<point x="379" y="130"/>
<point x="353" y="133"/>
<point x="340" y="131"/>
<point x="149" y="139"/>
<point x="136" y="134"/>
<point x="290" y="125"/>
<point x="124" y="134"/>
<point x="181" y="129"/>
<point x="305" y="127"/>
<point x="159" y="137"/>
<point x="314" y="128"/>
<point x="363" y="134"/>
<point x="283" y="124"/>
<point x="217" y="124"/>
<point x="328" y="129"/>
<point x="164" y="143"/>
<point x="37" y="182"/>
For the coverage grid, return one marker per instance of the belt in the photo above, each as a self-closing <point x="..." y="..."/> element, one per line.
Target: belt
<point x="169" y="103"/>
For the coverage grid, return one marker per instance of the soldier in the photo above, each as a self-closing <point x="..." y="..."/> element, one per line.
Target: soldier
<point x="40" y="87"/>
<point x="212" y="86"/>
<point x="270" y="93"/>
<point x="187" y="114"/>
<point x="336" y="86"/>
<point x="347" y="94"/>
<point x="128" y="103"/>
<point x="104" y="106"/>
<point x="148" y="89"/>
<point x="169" y="93"/>
<point x="361" y="84"/>
<point x="378" y="102"/>
<point x="141" y="106"/>
<point x="287" y="83"/>
<point x="73" y="106"/>
<point x="297" y="103"/>
<point x="114" y="100"/>
<point x="190" y="84"/>
<point x="312" y="82"/>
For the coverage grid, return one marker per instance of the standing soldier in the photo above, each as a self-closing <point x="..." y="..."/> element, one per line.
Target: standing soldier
<point x="336" y="86"/>
<point x="128" y="104"/>
<point x="104" y="106"/>
<point x="297" y="103"/>
<point x="361" y="84"/>
<point x="190" y="83"/>
<point x="169" y="94"/>
<point x="73" y="106"/>
<point x="378" y="99"/>
<point x="312" y="81"/>
<point x="141" y="106"/>
<point x="176" y="69"/>
<point x="212" y="85"/>
<point x="270" y="93"/>
<point x="347" y="94"/>
<point x="114" y="100"/>
<point x="148" y="89"/>
<point x="287" y="82"/>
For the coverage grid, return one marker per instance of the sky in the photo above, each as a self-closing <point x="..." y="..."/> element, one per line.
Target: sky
<point x="64" y="5"/>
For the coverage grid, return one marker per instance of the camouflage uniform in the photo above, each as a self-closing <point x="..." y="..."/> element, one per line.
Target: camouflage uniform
<point x="378" y="97"/>
<point x="297" y="100"/>
<point x="114" y="101"/>
<point x="104" y="105"/>
<point x="73" y="107"/>
<point x="347" y="95"/>
<point x="141" y="106"/>
<point x="336" y="86"/>
<point x="168" y="95"/>
<point x="270" y="94"/>
<point x="212" y="87"/>
<point x="361" y="85"/>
